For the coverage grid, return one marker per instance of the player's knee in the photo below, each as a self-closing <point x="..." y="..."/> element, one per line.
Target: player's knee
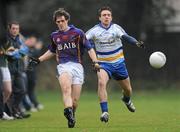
<point x="102" y="84"/>
<point x="9" y="91"/>
<point x="66" y="92"/>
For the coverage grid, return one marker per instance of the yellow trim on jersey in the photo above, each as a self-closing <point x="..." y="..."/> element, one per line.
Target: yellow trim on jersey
<point x="120" y="55"/>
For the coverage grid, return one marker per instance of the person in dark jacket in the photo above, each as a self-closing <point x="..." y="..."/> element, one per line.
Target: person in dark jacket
<point x="16" y="67"/>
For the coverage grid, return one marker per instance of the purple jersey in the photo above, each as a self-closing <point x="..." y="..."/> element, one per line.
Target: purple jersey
<point x="69" y="45"/>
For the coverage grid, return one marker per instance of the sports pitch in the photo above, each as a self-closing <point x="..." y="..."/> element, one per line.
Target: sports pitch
<point x="156" y="112"/>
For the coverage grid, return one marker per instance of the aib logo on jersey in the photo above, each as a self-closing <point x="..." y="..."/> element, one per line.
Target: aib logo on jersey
<point x="58" y="40"/>
<point x="64" y="46"/>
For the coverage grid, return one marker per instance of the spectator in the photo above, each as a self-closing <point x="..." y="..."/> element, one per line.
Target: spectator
<point x="16" y="67"/>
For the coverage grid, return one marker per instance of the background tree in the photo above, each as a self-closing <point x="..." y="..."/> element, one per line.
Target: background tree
<point x="144" y="19"/>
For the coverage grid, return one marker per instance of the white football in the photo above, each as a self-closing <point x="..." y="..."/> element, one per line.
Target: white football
<point x="157" y="59"/>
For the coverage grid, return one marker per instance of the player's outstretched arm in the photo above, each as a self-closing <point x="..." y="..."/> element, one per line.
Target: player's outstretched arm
<point x="93" y="57"/>
<point x="133" y="41"/>
<point x="35" y="61"/>
<point x="47" y="55"/>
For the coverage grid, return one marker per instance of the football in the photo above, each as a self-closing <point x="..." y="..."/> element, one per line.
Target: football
<point x="157" y="59"/>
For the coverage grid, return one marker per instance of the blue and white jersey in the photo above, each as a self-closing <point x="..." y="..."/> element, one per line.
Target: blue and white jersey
<point x="107" y="42"/>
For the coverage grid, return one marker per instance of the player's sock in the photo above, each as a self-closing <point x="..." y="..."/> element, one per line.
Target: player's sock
<point x="128" y="103"/>
<point x="74" y="110"/>
<point x="67" y="109"/>
<point x="68" y="113"/>
<point x="104" y="106"/>
<point x="126" y="98"/>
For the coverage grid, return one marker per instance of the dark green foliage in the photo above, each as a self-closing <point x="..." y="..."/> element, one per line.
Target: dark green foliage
<point x="143" y="19"/>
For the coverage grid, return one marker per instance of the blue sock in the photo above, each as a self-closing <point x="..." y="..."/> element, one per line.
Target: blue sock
<point x="104" y="107"/>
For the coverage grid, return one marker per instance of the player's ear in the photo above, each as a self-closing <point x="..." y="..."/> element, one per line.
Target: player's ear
<point x="99" y="18"/>
<point x="68" y="21"/>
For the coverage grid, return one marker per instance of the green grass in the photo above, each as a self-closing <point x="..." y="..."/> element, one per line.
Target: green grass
<point x="156" y="112"/>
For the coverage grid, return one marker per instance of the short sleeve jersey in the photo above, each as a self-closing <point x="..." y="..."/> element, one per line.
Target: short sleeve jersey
<point x="70" y="45"/>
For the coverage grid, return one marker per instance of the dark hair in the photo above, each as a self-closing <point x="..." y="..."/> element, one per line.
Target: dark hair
<point x="61" y="12"/>
<point x="104" y="8"/>
<point x="11" y="23"/>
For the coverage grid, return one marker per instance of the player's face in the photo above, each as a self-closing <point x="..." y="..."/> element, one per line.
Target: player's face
<point x="106" y="17"/>
<point x="62" y="23"/>
<point x="14" y="30"/>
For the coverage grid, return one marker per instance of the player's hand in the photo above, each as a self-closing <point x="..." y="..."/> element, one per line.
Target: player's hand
<point x="96" y="66"/>
<point x="11" y="49"/>
<point x="33" y="62"/>
<point x="140" y="44"/>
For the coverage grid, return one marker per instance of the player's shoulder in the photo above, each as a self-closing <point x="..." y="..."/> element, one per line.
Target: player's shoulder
<point x="78" y="30"/>
<point x="54" y="33"/>
<point x="116" y="26"/>
<point x="93" y="29"/>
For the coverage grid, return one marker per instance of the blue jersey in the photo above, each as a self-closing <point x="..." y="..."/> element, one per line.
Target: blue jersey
<point x="69" y="45"/>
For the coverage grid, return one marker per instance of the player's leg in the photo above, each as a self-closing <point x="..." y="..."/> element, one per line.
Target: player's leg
<point x="7" y="89"/>
<point x="126" y="86"/>
<point x="102" y="93"/>
<point x="69" y="75"/>
<point x="127" y="91"/>
<point x="76" y="92"/>
<point x="120" y="74"/>
<point x="65" y="80"/>
<point x="77" y="82"/>
<point x="7" y="86"/>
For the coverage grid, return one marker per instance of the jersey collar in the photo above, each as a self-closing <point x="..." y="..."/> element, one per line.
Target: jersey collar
<point x="100" y="24"/>
<point x="69" y="28"/>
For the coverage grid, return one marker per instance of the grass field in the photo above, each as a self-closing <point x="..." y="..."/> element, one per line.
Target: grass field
<point x="156" y="112"/>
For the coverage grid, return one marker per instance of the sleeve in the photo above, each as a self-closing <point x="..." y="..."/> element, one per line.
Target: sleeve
<point x="24" y="50"/>
<point x="120" y="31"/>
<point x="8" y="44"/>
<point x="89" y="34"/>
<point x="14" y="54"/>
<point x="129" y="39"/>
<point x="19" y="53"/>
<point x="90" y="37"/>
<point x="52" y="47"/>
<point x="85" y="41"/>
<point x="124" y="36"/>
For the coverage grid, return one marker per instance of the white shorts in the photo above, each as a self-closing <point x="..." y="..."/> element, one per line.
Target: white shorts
<point x="76" y="70"/>
<point x="6" y="76"/>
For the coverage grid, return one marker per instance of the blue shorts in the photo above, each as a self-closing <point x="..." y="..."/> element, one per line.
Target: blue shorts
<point x="117" y="70"/>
